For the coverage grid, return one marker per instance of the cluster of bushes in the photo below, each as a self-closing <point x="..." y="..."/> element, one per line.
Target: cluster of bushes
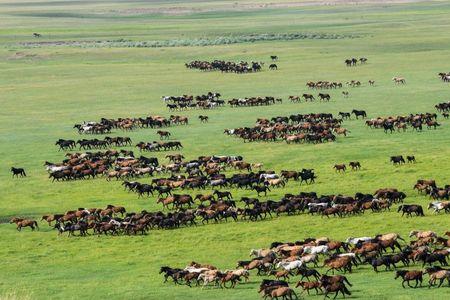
<point x="220" y="40"/>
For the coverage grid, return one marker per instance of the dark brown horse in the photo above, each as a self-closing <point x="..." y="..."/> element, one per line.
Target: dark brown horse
<point x="408" y="276"/>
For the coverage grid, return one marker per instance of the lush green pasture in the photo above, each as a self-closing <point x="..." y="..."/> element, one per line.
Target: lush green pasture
<point x="45" y="90"/>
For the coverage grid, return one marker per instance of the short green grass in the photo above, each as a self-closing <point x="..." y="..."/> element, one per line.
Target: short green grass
<point x="45" y="90"/>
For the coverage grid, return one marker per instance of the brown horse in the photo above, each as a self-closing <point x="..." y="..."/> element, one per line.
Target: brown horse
<point x="340" y="167"/>
<point x="306" y="286"/>
<point x="20" y="222"/>
<point x="408" y="276"/>
<point x="51" y="218"/>
<point x="163" y="134"/>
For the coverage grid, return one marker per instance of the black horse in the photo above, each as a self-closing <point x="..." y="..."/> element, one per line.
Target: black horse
<point x="409" y="209"/>
<point x="261" y="189"/>
<point x="18" y="172"/>
<point x="397" y="159"/>
<point x="359" y="113"/>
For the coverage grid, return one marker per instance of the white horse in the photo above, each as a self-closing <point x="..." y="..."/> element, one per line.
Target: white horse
<point x="354" y="241"/>
<point x="192" y="269"/>
<point x="315" y="249"/>
<point x="54" y="168"/>
<point x="290" y="265"/>
<point x="268" y="176"/>
<point x="437" y="206"/>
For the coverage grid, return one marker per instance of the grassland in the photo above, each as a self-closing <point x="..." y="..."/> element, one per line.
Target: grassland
<point x="44" y="90"/>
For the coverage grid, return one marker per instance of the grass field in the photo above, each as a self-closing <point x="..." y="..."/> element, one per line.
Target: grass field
<point x="45" y="89"/>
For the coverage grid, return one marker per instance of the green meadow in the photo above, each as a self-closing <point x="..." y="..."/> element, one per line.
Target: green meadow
<point x="86" y="66"/>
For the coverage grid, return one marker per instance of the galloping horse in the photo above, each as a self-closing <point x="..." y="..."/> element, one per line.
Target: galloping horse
<point x="24" y="223"/>
<point x="18" y="171"/>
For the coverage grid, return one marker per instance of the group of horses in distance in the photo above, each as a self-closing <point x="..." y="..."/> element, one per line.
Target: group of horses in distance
<point x="129" y="124"/>
<point x="109" y="164"/>
<point x="311" y="128"/>
<point x="445" y="77"/>
<point x="310" y="97"/>
<point x="254" y="101"/>
<point x="209" y="100"/>
<point x="226" y="66"/>
<point x="401" y="123"/>
<point x="351" y="62"/>
<point x="88" y="144"/>
<point x="216" y="207"/>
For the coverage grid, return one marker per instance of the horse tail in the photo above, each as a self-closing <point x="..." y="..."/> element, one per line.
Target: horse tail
<point x="344" y="288"/>
<point x="420" y="210"/>
<point x="346" y="281"/>
<point x="400" y="238"/>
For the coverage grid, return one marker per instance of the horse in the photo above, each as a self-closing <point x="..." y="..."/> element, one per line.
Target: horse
<point x="359" y="113"/>
<point x="261" y="189"/>
<point x="306" y="286"/>
<point x="411" y="158"/>
<point x="203" y="119"/>
<point x="37" y="35"/>
<point x="24" y="223"/>
<point x="409" y="209"/>
<point x="340" y="167"/>
<point x="273" y="67"/>
<point x="399" y="80"/>
<point x="163" y="134"/>
<point x="336" y="287"/>
<point x="422" y="234"/>
<point x="290" y="265"/>
<point x="355" y="165"/>
<point x="408" y="276"/>
<point x="284" y="292"/>
<point x="308" y="97"/>
<point x="437" y="206"/>
<point x="18" y="172"/>
<point x="397" y="160"/>
<point x="274" y="57"/>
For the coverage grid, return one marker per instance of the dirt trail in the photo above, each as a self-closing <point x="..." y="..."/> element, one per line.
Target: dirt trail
<point x="236" y="6"/>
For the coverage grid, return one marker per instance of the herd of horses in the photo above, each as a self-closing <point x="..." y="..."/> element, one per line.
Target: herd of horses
<point x="287" y="266"/>
<point x="254" y="101"/>
<point x="226" y="66"/>
<point x="88" y="144"/>
<point x="209" y="100"/>
<point x="309" y="97"/>
<point x="401" y="123"/>
<point x="214" y="207"/>
<point x="128" y="124"/>
<point x="300" y="128"/>
<point x="324" y="84"/>
<point x="351" y="62"/>
<point x="445" y="77"/>
<point x="443" y="107"/>
<point x="110" y="163"/>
